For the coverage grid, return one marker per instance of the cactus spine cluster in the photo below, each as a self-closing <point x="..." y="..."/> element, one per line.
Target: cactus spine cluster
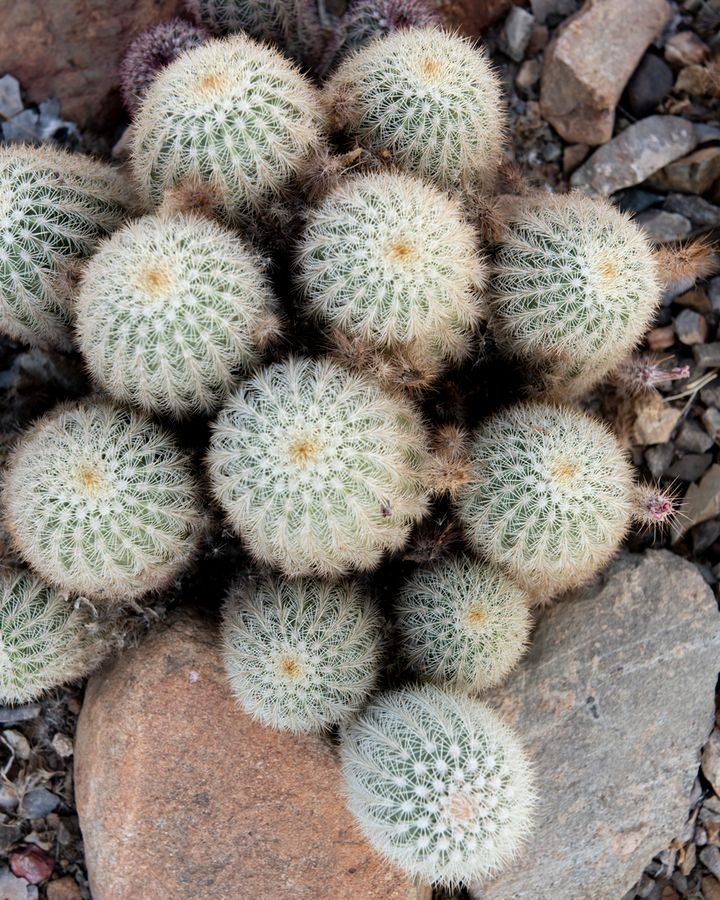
<point x="388" y="259"/>
<point x="46" y="640"/>
<point x="266" y="20"/>
<point x="100" y="501"/>
<point x="575" y="288"/>
<point x="429" y="99"/>
<point x="54" y="208"/>
<point x="317" y="469"/>
<point x="301" y="655"/>
<point x="150" y="52"/>
<point x="462" y="623"/>
<point x="233" y="118"/>
<point x="550" y="495"/>
<point x="437" y="783"/>
<point x="169" y="312"/>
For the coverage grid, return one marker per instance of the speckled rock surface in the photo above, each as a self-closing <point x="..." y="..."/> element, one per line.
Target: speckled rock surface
<point x="182" y="796"/>
<point x="614" y="701"/>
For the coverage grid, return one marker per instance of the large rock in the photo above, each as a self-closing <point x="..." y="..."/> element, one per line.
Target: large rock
<point x="589" y="62"/>
<point x="614" y="701"/>
<point x="182" y="796"/>
<point x="70" y="49"/>
<point x="636" y="153"/>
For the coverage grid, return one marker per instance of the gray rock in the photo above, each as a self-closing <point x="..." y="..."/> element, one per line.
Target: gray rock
<point x="9" y="715"/>
<point x="710" y="857"/>
<point x="614" y="702"/>
<point x="38" y="803"/>
<point x="706" y="355"/>
<point x="11" y="887"/>
<point x="655" y="420"/>
<point x="693" y="174"/>
<point x="635" y="154"/>
<point x="711" y="421"/>
<point x="10" y="100"/>
<point x="650" y="84"/>
<point x="664" y="227"/>
<point x="636" y="200"/>
<point x="686" y="49"/>
<point x="713" y="292"/>
<point x="711" y="760"/>
<point x="706" y="133"/>
<point x="705" y="535"/>
<point x="658" y="458"/>
<point x="693" y="438"/>
<point x="690" y="466"/>
<point x="543" y="8"/>
<point x="22" y="127"/>
<point x="516" y="33"/>
<point x="528" y="75"/>
<point x="690" y="327"/>
<point x="710" y="394"/>
<point x="701" y="213"/>
<point x="9" y="835"/>
<point x="702" y="502"/>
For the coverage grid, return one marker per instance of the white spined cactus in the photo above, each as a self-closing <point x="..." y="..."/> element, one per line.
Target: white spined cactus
<point x="549" y="498"/>
<point x="438" y="784"/>
<point x="54" y="208"/>
<point x="301" y="655"/>
<point x="102" y="502"/>
<point x="575" y="287"/>
<point x="233" y="118"/>
<point x="169" y="312"/>
<point x="463" y="623"/>
<point x="388" y="259"/>
<point x="318" y="470"/>
<point x="46" y="639"/>
<point x="429" y="99"/>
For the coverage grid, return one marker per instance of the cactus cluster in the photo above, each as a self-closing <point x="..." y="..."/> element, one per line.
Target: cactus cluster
<point x="345" y="220"/>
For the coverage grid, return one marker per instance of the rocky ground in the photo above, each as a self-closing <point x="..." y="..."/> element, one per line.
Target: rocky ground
<point x="615" y="699"/>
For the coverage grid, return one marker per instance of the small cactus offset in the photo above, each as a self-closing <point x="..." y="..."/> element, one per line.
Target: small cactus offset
<point x="389" y="260"/>
<point x="550" y="496"/>
<point x="232" y="118"/>
<point x="54" y="208"/>
<point x="169" y="313"/>
<point x="575" y="288"/>
<point x="462" y="623"/>
<point x="46" y="640"/>
<point x="150" y="52"/>
<point x="428" y="99"/>
<point x="438" y="784"/>
<point x="366" y="19"/>
<point x="318" y="470"/>
<point x="302" y="655"/>
<point x="102" y="502"/>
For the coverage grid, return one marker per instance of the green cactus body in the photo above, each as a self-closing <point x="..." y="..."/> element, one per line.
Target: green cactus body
<point x="264" y="20"/>
<point x="301" y="655"/>
<point x="45" y="639"/>
<point x="462" y="623"/>
<point x="574" y="290"/>
<point x="233" y="117"/>
<point x="389" y="259"/>
<point x="549" y="498"/>
<point x="318" y="470"/>
<point x="168" y="312"/>
<point x="429" y="99"/>
<point x="101" y="501"/>
<point x="54" y="208"/>
<point x="438" y="784"/>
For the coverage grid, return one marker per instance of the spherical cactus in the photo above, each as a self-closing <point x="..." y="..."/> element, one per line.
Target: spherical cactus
<point x="46" y="640"/>
<point x="390" y="260"/>
<point x="575" y="288"/>
<point x="102" y="502"/>
<point x="318" y="470"/>
<point x="301" y="655"/>
<point x="150" y="52"/>
<point x="262" y="19"/>
<point x="438" y="784"/>
<point x="366" y="19"/>
<point x="462" y="622"/>
<point x="429" y="99"/>
<point x="168" y="313"/>
<point x="54" y="208"/>
<point x="233" y="117"/>
<point x="549" y="498"/>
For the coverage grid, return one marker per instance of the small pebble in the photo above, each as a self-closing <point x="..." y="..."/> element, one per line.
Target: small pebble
<point x="22" y="127"/>
<point x="12" y="887"/>
<point x="65" y="888"/>
<point x="18" y="742"/>
<point x="690" y="327"/>
<point x="9" y="715"/>
<point x="711" y="421"/>
<point x="38" y="803"/>
<point x="701" y="213"/>
<point x="62" y="745"/>
<point x="664" y="227"/>
<point x="10" y="100"/>
<point x="710" y="857"/>
<point x="705" y="355"/>
<point x="693" y="438"/>
<point x="691" y="466"/>
<point x="661" y="338"/>
<point x="710" y="888"/>
<point x="528" y="75"/>
<point x="31" y="863"/>
<point x="516" y="33"/>
<point x="686" y="49"/>
<point x="705" y="535"/>
<point x="650" y="83"/>
<point x="658" y="458"/>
